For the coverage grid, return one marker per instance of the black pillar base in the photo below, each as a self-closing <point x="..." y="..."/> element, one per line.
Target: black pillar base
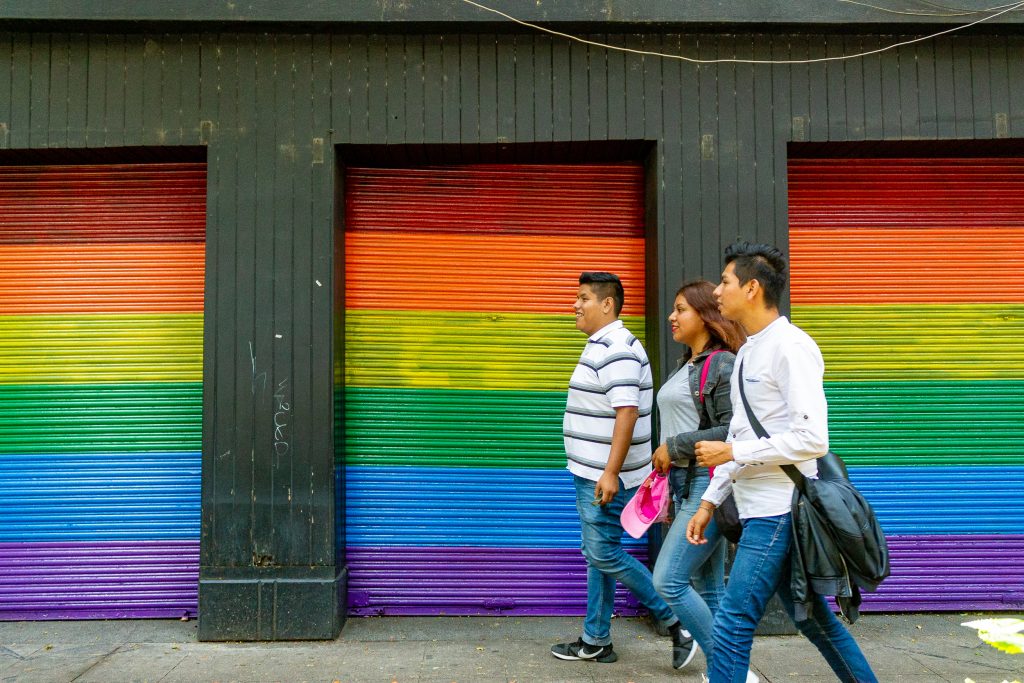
<point x="280" y="603"/>
<point x="775" y="621"/>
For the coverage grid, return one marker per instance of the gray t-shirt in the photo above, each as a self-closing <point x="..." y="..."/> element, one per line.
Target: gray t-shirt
<point x="675" y="406"/>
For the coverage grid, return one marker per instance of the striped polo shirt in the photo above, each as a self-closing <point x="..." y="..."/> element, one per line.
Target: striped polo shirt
<point x="613" y="371"/>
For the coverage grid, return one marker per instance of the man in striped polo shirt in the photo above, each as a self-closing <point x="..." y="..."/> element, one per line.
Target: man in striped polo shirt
<point x="607" y="430"/>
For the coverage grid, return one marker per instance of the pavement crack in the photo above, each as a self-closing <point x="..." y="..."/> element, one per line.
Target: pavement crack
<point x="171" y="670"/>
<point x="921" y="657"/>
<point x="104" y="657"/>
<point x="916" y="656"/>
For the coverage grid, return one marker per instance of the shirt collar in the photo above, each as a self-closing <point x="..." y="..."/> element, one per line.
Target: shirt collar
<point x="781" y="321"/>
<point x="613" y="325"/>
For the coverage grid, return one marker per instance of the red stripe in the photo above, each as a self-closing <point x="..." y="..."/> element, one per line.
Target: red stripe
<point x="103" y="203"/>
<point x="605" y="200"/>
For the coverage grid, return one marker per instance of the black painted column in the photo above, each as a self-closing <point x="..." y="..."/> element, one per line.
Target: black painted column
<point x="269" y="568"/>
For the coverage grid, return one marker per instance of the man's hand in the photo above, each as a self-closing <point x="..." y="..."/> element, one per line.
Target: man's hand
<point x="660" y="459"/>
<point x="606" y="488"/>
<point x="696" y="526"/>
<point x="608" y="485"/>
<point x="713" y="453"/>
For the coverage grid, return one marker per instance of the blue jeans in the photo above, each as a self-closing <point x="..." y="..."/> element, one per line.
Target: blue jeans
<point x="761" y="568"/>
<point x="608" y="561"/>
<point x="680" y="563"/>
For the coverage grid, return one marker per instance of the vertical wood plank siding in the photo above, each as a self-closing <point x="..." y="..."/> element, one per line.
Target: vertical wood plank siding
<point x="259" y="100"/>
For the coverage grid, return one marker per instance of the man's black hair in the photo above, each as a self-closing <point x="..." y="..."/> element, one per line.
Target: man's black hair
<point x="761" y="262"/>
<point x="605" y="285"/>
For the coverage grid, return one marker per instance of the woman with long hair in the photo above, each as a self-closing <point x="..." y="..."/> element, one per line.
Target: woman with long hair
<point x="690" y="413"/>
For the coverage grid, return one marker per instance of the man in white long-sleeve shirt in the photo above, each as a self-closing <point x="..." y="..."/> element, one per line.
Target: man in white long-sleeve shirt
<point x="781" y="369"/>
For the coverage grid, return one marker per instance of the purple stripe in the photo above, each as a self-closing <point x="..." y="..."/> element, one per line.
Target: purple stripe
<point x="472" y="581"/>
<point x="100" y="580"/>
<point x="952" y="573"/>
<point x="929" y="573"/>
<point x="159" y="579"/>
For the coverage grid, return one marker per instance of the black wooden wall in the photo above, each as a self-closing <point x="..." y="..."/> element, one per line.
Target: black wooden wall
<point x="278" y="113"/>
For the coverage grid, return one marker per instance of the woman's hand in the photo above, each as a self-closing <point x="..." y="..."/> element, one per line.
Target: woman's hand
<point x="660" y="459"/>
<point x="696" y="526"/>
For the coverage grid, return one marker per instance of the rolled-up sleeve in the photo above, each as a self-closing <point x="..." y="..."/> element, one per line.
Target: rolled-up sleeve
<point x="721" y="484"/>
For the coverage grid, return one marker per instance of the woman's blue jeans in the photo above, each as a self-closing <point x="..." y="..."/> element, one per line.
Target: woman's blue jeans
<point x="607" y="562"/>
<point x="761" y="568"/>
<point x="691" y="578"/>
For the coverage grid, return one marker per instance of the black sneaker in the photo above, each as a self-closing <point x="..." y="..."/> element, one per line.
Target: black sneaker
<point x="684" y="647"/>
<point x="584" y="651"/>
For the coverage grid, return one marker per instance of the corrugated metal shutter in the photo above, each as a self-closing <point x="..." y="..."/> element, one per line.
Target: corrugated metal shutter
<point x="101" y="317"/>
<point x="459" y="343"/>
<point x="910" y="275"/>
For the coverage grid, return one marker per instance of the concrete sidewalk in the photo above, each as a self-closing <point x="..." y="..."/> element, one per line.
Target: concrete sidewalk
<point x="911" y="648"/>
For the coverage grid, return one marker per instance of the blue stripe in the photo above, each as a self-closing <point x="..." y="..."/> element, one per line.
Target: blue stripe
<point x="100" y="497"/>
<point x="940" y="499"/>
<point x="448" y="506"/>
<point x="153" y="496"/>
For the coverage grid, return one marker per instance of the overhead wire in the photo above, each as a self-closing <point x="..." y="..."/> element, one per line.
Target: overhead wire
<point x="963" y="9"/>
<point x="736" y="60"/>
<point x="949" y="11"/>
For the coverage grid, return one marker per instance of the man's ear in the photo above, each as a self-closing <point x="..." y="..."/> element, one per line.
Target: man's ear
<point x="608" y="304"/>
<point x="752" y="287"/>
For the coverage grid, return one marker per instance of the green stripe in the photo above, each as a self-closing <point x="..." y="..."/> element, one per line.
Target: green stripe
<point x="101" y="418"/>
<point x="90" y="349"/>
<point x="459" y="428"/>
<point x="446" y="350"/>
<point x="917" y="342"/>
<point x="927" y="423"/>
<point x="892" y="423"/>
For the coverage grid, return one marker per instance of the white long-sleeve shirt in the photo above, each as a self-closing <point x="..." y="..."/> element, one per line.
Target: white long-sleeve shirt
<point x="782" y="374"/>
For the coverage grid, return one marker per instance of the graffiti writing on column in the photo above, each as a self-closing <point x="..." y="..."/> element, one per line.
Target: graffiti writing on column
<point x="282" y="411"/>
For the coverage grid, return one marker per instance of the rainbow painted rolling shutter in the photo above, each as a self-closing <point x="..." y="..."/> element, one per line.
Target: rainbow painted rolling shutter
<point x="459" y="344"/>
<point x="101" y="316"/>
<point x="909" y="274"/>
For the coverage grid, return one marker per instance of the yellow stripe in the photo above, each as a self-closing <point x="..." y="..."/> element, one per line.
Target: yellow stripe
<point x="917" y="342"/>
<point x="49" y="349"/>
<point x="454" y="350"/>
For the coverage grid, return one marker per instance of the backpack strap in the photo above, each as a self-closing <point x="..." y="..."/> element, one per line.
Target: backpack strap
<point x="691" y="467"/>
<point x="704" y="372"/>
<point x="791" y="470"/>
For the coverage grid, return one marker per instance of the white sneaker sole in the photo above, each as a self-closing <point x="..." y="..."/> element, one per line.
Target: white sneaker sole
<point x="578" y="658"/>
<point x="751" y="677"/>
<point x="689" y="657"/>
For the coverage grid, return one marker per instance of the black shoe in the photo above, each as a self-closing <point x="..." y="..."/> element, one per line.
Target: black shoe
<point x="584" y="651"/>
<point x="684" y="647"/>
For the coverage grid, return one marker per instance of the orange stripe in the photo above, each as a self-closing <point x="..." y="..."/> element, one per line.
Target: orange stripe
<point x="462" y="272"/>
<point x="907" y="265"/>
<point x="101" y="278"/>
